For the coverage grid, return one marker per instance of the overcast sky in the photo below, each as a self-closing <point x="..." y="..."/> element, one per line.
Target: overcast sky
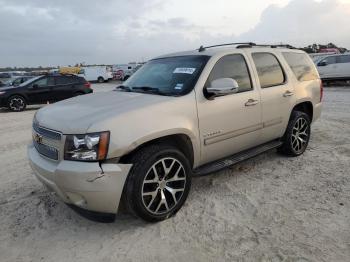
<point x="45" y="32"/>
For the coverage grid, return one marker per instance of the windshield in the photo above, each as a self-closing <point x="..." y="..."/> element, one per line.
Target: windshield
<point x="172" y="76"/>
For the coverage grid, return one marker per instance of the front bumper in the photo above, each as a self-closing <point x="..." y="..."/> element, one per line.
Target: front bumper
<point x="84" y="184"/>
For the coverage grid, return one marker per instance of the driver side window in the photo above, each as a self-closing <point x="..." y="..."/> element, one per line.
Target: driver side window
<point x="235" y="67"/>
<point x="329" y="60"/>
<point x="41" y="83"/>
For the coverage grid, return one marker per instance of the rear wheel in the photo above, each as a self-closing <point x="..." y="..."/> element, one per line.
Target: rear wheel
<point x="297" y="136"/>
<point x="100" y="79"/>
<point x="17" y="103"/>
<point x="158" y="183"/>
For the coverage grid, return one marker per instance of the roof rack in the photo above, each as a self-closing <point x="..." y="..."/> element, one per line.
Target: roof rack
<point x="244" y="45"/>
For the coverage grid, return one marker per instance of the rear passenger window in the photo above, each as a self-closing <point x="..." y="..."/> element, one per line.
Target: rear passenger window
<point x="301" y="65"/>
<point x="269" y="70"/>
<point x="343" y="59"/>
<point x="64" y="80"/>
<point x="235" y="67"/>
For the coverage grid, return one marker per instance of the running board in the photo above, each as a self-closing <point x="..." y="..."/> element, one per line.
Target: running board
<point x="236" y="158"/>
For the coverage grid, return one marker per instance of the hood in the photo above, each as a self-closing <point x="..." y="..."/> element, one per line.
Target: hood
<point x="76" y="115"/>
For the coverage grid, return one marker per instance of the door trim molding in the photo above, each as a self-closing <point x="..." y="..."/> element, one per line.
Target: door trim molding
<point x="231" y="134"/>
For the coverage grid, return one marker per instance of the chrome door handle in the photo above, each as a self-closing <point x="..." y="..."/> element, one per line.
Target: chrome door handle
<point x="288" y="93"/>
<point x="251" y="102"/>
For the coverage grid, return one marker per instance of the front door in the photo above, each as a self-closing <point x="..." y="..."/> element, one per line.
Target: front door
<point x="230" y="123"/>
<point x="39" y="90"/>
<point x="327" y="67"/>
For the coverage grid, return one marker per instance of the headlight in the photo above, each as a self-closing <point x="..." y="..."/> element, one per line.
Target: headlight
<point x="89" y="147"/>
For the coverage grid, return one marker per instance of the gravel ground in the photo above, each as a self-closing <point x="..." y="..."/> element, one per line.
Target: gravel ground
<point x="270" y="208"/>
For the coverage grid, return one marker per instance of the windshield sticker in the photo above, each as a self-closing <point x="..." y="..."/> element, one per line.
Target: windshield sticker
<point x="184" y="70"/>
<point x="179" y="86"/>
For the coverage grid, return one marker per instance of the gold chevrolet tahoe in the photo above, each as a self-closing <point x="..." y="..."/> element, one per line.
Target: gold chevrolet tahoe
<point x="180" y="115"/>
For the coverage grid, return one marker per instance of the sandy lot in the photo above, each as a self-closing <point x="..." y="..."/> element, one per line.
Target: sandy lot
<point x="270" y="208"/>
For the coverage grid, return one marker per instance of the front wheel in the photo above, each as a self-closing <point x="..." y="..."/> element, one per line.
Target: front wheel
<point x="158" y="183"/>
<point x="16" y="103"/>
<point x="100" y="79"/>
<point x="297" y="136"/>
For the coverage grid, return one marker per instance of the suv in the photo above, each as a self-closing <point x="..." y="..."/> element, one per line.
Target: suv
<point x="43" y="89"/>
<point x="334" y="67"/>
<point x="180" y="115"/>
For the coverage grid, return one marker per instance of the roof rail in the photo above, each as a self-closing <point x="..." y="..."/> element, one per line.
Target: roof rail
<point x="202" y="48"/>
<point x="245" y="45"/>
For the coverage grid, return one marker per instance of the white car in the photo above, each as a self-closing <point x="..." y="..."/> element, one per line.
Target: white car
<point x="334" y="67"/>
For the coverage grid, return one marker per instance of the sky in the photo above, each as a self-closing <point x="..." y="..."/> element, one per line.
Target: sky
<point x="66" y="32"/>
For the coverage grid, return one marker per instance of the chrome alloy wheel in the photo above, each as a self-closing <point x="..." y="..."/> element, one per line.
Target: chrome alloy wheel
<point x="16" y="104"/>
<point x="300" y="135"/>
<point x="163" y="186"/>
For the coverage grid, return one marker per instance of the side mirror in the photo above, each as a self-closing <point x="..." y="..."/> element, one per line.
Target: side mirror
<point x="222" y="87"/>
<point x="35" y="86"/>
<point x="322" y="64"/>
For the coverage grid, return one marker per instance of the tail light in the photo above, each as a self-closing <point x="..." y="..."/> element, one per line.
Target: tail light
<point x="87" y="84"/>
<point x="321" y="91"/>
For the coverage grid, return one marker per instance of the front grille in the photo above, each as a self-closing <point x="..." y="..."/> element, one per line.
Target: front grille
<point x="46" y="141"/>
<point x="45" y="150"/>
<point x="47" y="132"/>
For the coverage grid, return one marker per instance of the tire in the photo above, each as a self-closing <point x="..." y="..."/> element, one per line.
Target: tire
<point x="126" y="78"/>
<point x="297" y="135"/>
<point x="100" y="79"/>
<point x="16" y="103"/>
<point x="148" y="195"/>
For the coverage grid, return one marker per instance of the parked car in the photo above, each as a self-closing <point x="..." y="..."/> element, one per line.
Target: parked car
<point x="17" y="80"/>
<point x="334" y="67"/>
<point x="96" y="73"/>
<point x="43" y="89"/>
<point x="184" y="114"/>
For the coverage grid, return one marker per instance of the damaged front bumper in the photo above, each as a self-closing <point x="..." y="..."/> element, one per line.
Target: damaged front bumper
<point x="84" y="184"/>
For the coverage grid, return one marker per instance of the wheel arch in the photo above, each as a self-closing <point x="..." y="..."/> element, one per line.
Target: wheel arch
<point x="181" y="141"/>
<point x="305" y="107"/>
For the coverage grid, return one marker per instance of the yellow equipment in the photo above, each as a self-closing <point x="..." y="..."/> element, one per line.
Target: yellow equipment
<point x="69" y="70"/>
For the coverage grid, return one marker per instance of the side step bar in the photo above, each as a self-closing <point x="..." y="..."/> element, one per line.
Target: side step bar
<point x="236" y="158"/>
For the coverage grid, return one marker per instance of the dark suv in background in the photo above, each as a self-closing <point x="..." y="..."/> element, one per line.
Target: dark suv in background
<point x="43" y="89"/>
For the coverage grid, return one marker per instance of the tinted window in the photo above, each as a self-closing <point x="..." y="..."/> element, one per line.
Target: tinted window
<point x="343" y="59"/>
<point x="65" y="80"/>
<point x="269" y="70"/>
<point x="329" y="60"/>
<point x="43" y="82"/>
<point x="232" y="66"/>
<point x="301" y="66"/>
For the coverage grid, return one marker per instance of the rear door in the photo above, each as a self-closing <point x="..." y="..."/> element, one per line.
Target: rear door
<point x="277" y="93"/>
<point x="63" y="88"/>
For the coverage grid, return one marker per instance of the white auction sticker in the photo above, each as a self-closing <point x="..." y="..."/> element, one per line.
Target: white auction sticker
<point x="184" y="70"/>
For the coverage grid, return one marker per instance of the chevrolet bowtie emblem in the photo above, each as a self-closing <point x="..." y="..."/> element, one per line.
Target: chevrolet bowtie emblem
<point x="38" y="138"/>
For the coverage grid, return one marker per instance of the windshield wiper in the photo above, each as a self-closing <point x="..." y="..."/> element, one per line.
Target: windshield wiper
<point x="149" y="89"/>
<point x="124" y="88"/>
